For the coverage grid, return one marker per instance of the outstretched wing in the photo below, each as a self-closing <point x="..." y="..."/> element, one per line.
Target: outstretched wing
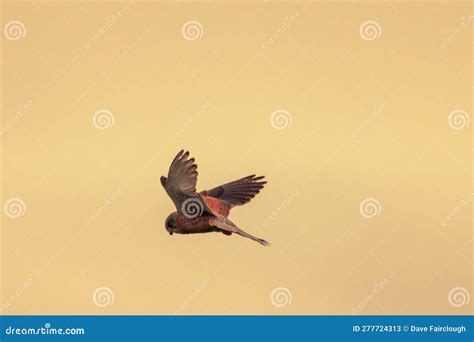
<point x="237" y="192"/>
<point x="181" y="184"/>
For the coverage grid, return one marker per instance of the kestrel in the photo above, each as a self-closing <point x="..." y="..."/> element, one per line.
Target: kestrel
<point x="205" y="211"/>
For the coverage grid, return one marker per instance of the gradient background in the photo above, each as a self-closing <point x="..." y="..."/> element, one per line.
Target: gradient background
<point x="94" y="207"/>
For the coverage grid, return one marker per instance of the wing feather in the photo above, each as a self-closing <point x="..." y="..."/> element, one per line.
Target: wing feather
<point x="181" y="182"/>
<point x="238" y="192"/>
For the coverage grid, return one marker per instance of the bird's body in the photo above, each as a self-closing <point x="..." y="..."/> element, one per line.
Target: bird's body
<point x="217" y="205"/>
<point x="208" y="210"/>
<point x="195" y="225"/>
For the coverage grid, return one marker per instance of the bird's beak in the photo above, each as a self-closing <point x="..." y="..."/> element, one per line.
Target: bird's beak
<point x="171" y="233"/>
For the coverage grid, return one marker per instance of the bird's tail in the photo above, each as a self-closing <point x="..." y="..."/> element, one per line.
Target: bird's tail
<point x="227" y="225"/>
<point x="247" y="235"/>
<point x="263" y="242"/>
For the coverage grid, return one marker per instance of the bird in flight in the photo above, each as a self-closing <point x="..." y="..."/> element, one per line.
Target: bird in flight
<point x="208" y="210"/>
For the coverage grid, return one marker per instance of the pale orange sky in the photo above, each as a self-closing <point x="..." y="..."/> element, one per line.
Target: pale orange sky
<point x="98" y="97"/>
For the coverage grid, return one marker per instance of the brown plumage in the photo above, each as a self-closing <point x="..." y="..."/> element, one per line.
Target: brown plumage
<point x="206" y="211"/>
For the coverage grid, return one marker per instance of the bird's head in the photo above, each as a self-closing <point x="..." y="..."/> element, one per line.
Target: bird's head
<point x="171" y="222"/>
